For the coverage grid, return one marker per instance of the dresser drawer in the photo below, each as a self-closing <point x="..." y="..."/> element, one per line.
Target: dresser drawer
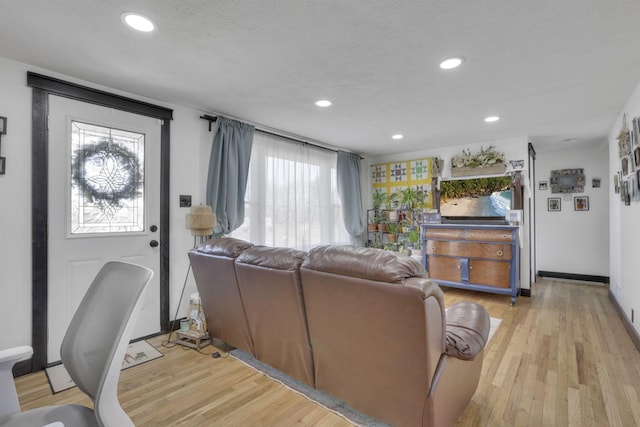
<point x="444" y="233"/>
<point x="444" y="268"/>
<point x="468" y="249"/>
<point x="491" y="273"/>
<point x="489" y="235"/>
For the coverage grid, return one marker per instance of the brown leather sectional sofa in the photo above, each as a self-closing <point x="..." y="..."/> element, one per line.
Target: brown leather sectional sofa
<point x="361" y="324"/>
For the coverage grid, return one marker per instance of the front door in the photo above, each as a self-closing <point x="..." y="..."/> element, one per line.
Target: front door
<point x="104" y="204"/>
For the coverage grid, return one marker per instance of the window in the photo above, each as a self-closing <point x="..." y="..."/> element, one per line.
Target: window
<point x="107" y="191"/>
<point x="292" y="197"/>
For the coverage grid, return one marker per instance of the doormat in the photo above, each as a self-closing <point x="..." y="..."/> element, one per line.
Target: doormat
<point x="137" y="353"/>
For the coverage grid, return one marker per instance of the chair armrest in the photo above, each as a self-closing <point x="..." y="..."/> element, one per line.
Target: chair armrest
<point x="9" y="403"/>
<point x="15" y="354"/>
<point x="467" y="330"/>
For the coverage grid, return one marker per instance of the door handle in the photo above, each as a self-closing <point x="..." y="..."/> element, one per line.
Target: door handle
<point x="153" y="243"/>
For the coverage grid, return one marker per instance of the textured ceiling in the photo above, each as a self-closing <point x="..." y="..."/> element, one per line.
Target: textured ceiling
<point x="551" y="69"/>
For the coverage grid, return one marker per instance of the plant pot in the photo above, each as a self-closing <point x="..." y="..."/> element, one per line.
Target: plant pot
<point x="381" y="228"/>
<point x="392" y="238"/>
<point x="373" y="228"/>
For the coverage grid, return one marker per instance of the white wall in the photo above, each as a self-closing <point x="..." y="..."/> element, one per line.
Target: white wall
<point x="572" y="241"/>
<point x="514" y="149"/>
<point x="624" y="226"/>
<point x="190" y="146"/>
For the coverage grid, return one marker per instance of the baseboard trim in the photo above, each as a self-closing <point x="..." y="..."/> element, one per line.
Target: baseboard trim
<point x="633" y="334"/>
<point x="572" y="276"/>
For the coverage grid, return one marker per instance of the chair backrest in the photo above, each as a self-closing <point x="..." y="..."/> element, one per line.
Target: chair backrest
<point x="96" y="341"/>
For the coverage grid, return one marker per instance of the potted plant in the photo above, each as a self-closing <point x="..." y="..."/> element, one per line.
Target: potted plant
<point x="485" y="162"/>
<point x="414" y="238"/>
<point x="379" y="198"/>
<point x="408" y="198"/>
<point x="392" y="230"/>
<point x="392" y="200"/>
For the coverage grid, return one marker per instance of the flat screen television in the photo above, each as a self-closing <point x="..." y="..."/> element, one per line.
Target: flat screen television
<point x="475" y="200"/>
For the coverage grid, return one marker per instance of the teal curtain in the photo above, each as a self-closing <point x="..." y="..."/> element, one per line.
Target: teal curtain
<point x="228" y="171"/>
<point x="350" y="192"/>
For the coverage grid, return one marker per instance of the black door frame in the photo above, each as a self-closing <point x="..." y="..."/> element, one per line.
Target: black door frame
<point x="43" y="86"/>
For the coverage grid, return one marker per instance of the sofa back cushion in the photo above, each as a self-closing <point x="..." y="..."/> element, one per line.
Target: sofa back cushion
<point x="213" y="264"/>
<point x="366" y="263"/>
<point x="269" y="281"/>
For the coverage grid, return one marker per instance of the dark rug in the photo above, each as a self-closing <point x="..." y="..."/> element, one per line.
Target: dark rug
<point x="321" y="398"/>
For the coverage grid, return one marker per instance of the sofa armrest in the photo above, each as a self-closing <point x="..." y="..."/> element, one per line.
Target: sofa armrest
<point x="467" y="330"/>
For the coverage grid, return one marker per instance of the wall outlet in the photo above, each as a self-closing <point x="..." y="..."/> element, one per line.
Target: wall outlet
<point x="185" y="201"/>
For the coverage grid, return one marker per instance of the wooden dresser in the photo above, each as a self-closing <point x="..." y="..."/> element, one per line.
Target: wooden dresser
<point x="479" y="257"/>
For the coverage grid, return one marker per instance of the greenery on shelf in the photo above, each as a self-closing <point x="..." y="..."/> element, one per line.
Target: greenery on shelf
<point x="455" y="189"/>
<point x="486" y="157"/>
<point x="414" y="238"/>
<point x="379" y="198"/>
<point x="392" y="200"/>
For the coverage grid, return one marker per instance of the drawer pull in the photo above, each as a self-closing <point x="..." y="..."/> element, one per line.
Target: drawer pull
<point x="499" y="253"/>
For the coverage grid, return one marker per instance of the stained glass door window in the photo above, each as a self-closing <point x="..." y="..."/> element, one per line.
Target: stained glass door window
<point x="107" y="180"/>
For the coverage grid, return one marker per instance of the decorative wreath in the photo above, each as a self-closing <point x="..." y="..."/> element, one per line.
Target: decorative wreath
<point x="119" y="177"/>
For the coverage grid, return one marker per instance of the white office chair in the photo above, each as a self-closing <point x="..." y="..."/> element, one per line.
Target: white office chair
<point x="92" y="351"/>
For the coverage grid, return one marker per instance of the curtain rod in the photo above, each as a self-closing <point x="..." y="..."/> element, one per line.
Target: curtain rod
<point x="212" y="119"/>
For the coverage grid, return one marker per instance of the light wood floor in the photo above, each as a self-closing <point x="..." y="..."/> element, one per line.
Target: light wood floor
<point x="559" y="358"/>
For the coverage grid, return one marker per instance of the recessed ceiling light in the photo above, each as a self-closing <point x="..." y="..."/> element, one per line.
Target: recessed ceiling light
<point x="569" y="140"/>
<point x="397" y="136"/>
<point x="323" y="103"/>
<point x="451" y="63"/>
<point x="491" y="119"/>
<point x="138" y="22"/>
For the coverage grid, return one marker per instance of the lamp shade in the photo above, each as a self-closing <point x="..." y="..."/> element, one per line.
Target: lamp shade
<point x="201" y="220"/>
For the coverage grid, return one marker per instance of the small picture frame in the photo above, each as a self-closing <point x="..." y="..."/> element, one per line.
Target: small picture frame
<point x="595" y="183"/>
<point x="542" y="185"/>
<point x="3" y="125"/>
<point x="3" y="163"/>
<point x="554" y="204"/>
<point x="581" y="203"/>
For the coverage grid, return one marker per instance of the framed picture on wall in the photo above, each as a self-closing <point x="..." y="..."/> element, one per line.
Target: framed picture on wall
<point x="554" y="204"/>
<point x="542" y="185"/>
<point x="581" y="203"/>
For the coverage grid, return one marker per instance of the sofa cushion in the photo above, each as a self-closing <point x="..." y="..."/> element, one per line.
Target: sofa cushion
<point x="276" y="258"/>
<point x="365" y="263"/>
<point x="223" y="246"/>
